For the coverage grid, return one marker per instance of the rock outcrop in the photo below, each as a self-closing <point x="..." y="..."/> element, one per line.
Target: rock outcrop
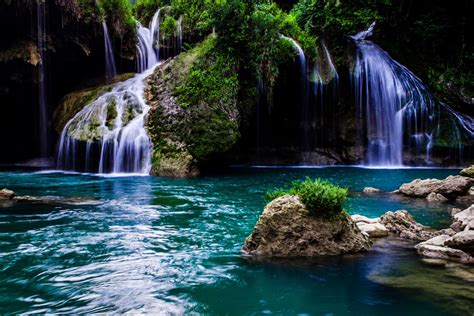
<point x="187" y="132"/>
<point x="453" y="244"/>
<point x="399" y="223"/>
<point x="451" y="187"/>
<point x="287" y="229"/>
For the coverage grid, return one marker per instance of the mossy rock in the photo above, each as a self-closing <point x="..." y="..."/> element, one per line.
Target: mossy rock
<point x="75" y="101"/>
<point x="193" y="114"/>
<point x="468" y="172"/>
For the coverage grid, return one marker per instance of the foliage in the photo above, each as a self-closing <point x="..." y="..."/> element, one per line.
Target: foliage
<point x="335" y="20"/>
<point x="320" y="196"/>
<point x="168" y="26"/>
<point x="211" y="79"/>
<point x="205" y="84"/>
<point x="252" y="32"/>
<point x="144" y="10"/>
<point x="197" y="14"/>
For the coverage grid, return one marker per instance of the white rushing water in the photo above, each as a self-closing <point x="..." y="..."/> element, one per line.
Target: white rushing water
<point x="180" y="34"/>
<point x="43" y="106"/>
<point x="325" y="81"/>
<point x="305" y="117"/>
<point x="109" y="135"/>
<point x="396" y="110"/>
<point x="110" y="68"/>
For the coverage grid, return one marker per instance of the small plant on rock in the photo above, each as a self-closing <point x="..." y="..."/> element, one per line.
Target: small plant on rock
<point x="321" y="197"/>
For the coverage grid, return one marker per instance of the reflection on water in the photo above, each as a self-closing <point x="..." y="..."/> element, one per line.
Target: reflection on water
<point x="173" y="246"/>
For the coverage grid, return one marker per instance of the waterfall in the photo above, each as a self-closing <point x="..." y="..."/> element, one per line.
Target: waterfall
<point x="148" y="44"/>
<point x="42" y="102"/>
<point x="155" y="32"/>
<point x="305" y="117"/>
<point x="109" y="135"/>
<point x="383" y="87"/>
<point x="395" y="108"/>
<point x="110" y="68"/>
<point x="325" y="80"/>
<point x="180" y="34"/>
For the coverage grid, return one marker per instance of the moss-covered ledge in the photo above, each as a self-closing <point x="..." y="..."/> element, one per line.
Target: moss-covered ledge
<point x="75" y="101"/>
<point x="193" y="114"/>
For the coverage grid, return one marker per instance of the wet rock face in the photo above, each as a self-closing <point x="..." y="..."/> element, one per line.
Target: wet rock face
<point x="286" y="229"/>
<point x="451" y="187"/>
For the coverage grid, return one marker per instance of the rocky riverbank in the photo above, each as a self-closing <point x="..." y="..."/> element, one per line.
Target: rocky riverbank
<point x="452" y="188"/>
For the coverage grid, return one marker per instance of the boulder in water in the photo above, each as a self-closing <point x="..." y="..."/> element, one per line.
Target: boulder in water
<point x="451" y="187"/>
<point x="287" y="229"/>
<point x="370" y="190"/>
<point x="455" y="244"/>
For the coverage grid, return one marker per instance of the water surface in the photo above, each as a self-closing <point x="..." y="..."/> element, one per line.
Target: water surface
<point x="145" y="244"/>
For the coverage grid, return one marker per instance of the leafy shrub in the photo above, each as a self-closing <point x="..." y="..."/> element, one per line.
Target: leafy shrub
<point x="321" y="197"/>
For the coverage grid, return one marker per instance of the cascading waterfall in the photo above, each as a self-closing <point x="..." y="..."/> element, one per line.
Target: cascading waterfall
<point x="148" y="44"/>
<point x="305" y="117"/>
<point x="381" y="95"/>
<point x="110" y="68"/>
<point x="109" y="133"/>
<point x="325" y="80"/>
<point x="180" y="34"/>
<point x="155" y="33"/>
<point x="395" y="108"/>
<point x="42" y="102"/>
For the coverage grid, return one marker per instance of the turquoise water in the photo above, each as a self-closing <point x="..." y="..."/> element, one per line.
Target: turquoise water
<point x="144" y="244"/>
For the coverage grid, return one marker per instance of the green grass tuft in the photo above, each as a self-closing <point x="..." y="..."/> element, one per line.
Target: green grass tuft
<point x="321" y="197"/>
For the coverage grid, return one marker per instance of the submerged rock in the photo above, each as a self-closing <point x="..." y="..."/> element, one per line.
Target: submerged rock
<point x="451" y="187"/>
<point x="286" y="229"/>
